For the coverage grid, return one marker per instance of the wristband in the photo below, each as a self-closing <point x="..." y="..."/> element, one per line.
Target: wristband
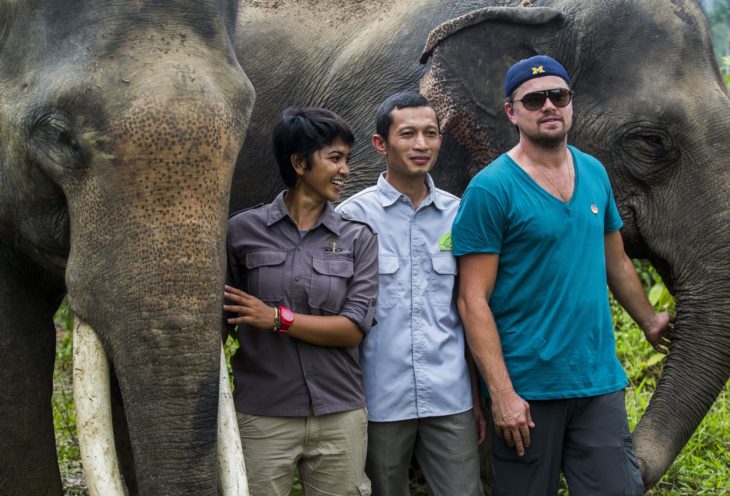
<point x="277" y="320"/>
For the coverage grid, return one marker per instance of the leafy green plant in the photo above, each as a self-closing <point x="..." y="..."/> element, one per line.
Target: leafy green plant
<point x="723" y="62"/>
<point x="64" y="415"/>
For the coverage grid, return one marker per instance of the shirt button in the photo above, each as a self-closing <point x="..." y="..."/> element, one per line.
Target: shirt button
<point x="299" y="248"/>
<point x="297" y="278"/>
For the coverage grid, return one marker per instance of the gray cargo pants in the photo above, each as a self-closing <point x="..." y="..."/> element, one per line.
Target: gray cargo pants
<point x="587" y="439"/>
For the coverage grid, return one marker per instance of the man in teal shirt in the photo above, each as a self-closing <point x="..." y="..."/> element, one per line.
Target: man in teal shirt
<point x="537" y="235"/>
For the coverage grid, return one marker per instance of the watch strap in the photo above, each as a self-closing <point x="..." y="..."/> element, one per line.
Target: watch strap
<point x="277" y="320"/>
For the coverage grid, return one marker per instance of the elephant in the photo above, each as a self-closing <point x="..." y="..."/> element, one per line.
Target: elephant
<point x="345" y="60"/>
<point x="120" y="124"/>
<point x="649" y="103"/>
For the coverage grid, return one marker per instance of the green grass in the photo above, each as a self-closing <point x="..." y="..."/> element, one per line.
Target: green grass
<point x="700" y="469"/>
<point x="64" y="416"/>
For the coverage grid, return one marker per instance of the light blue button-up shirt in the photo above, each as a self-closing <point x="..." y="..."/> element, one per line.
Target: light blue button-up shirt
<point x="413" y="359"/>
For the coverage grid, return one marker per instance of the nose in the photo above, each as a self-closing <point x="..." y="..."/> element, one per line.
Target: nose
<point x="345" y="169"/>
<point x="420" y="142"/>
<point x="548" y="105"/>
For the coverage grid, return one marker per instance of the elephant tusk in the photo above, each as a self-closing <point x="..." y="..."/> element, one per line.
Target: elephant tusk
<point x="231" y="467"/>
<point x="93" y="413"/>
<point x="94" y="420"/>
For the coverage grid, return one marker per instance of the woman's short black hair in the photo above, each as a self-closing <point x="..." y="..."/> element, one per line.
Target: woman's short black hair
<point x="302" y="131"/>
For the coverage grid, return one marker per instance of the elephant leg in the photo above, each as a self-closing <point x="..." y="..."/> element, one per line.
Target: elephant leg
<point x="28" y="463"/>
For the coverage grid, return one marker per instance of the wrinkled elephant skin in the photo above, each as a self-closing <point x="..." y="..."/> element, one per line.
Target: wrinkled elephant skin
<point x="649" y="103"/>
<point x="347" y="65"/>
<point x="120" y="123"/>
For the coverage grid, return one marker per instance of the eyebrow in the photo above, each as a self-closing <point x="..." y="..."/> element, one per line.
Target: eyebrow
<point x="415" y="127"/>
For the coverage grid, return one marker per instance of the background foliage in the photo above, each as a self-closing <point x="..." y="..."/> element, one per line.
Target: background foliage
<point x="718" y="14"/>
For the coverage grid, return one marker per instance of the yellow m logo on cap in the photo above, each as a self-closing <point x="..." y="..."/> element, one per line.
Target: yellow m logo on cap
<point x="537" y="70"/>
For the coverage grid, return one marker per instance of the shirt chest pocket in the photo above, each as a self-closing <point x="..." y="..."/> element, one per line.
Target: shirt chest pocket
<point x="329" y="283"/>
<point x="265" y="275"/>
<point x="391" y="289"/>
<point x="441" y="280"/>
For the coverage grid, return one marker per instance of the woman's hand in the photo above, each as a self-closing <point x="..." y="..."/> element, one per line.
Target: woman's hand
<point x="321" y="330"/>
<point x="250" y="309"/>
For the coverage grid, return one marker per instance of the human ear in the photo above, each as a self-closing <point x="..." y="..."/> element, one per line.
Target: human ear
<point x="378" y="143"/>
<point x="510" y="111"/>
<point x="298" y="164"/>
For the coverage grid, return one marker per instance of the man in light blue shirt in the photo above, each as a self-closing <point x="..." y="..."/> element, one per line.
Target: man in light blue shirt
<point x="416" y="375"/>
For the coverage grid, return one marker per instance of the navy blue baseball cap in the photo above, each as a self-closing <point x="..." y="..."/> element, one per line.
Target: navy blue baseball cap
<point x="534" y="67"/>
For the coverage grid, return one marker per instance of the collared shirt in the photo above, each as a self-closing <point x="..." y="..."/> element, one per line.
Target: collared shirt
<point x="413" y="360"/>
<point x="330" y="270"/>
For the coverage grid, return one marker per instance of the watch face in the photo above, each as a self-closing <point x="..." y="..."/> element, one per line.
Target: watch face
<point x="287" y="315"/>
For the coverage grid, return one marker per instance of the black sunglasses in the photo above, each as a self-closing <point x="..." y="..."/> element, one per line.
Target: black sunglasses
<point x="536" y="99"/>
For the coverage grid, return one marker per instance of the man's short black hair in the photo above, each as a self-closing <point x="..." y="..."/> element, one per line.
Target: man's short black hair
<point x="401" y="100"/>
<point x="302" y="131"/>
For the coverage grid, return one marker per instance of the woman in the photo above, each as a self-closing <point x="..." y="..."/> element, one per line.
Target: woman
<point x="302" y="286"/>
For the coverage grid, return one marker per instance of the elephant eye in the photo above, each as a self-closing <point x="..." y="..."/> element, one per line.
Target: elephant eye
<point x="649" y="147"/>
<point x="54" y="144"/>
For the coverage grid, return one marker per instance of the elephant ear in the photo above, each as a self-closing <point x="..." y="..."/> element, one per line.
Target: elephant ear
<point x="514" y="15"/>
<point x="470" y="56"/>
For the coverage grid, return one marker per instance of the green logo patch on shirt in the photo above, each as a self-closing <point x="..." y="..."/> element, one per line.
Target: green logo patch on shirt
<point x="445" y="242"/>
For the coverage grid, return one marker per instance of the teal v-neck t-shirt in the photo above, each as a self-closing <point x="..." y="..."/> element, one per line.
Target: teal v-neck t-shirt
<point x="550" y="298"/>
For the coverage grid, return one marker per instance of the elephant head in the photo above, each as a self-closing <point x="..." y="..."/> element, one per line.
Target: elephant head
<point x="649" y="103"/>
<point x="120" y="124"/>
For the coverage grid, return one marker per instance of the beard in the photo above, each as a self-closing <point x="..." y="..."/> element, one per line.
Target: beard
<point x="544" y="141"/>
<point x="548" y="140"/>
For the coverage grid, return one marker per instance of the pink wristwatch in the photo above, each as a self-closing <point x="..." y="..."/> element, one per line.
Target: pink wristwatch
<point x="286" y="319"/>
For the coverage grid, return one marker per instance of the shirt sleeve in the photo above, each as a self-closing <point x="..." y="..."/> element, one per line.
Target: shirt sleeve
<point x="362" y="289"/>
<point x="612" y="219"/>
<point x="351" y="208"/>
<point x="479" y="223"/>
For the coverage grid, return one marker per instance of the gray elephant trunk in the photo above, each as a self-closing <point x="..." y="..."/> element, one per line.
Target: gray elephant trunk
<point x="696" y="370"/>
<point x="146" y="272"/>
<point x="168" y="376"/>
<point x="155" y="303"/>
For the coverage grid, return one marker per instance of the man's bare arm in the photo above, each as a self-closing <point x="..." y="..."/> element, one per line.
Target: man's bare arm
<point x="627" y="290"/>
<point x="477" y="274"/>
